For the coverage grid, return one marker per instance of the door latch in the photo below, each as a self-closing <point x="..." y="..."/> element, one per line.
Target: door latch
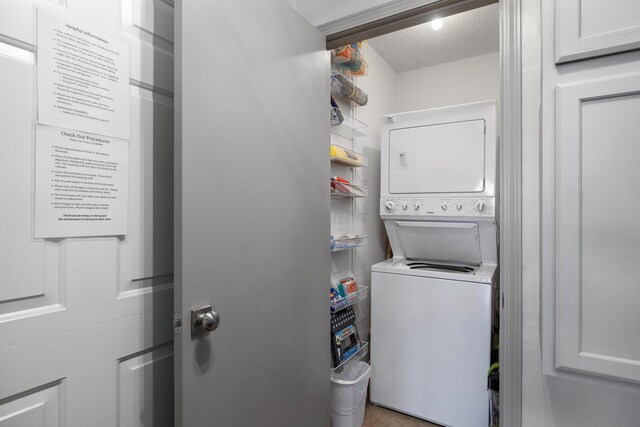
<point x="177" y="323"/>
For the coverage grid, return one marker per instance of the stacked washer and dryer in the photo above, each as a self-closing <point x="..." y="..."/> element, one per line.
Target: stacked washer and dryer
<point x="431" y="303"/>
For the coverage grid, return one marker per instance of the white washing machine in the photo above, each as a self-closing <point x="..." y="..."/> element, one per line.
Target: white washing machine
<point x="431" y="303"/>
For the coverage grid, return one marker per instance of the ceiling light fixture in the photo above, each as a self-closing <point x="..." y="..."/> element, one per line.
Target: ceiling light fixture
<point x="436" y="24"/>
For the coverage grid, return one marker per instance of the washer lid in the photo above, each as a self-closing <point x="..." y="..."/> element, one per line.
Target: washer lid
<point x="448" y="242"/>
<point x="485" y="273"/>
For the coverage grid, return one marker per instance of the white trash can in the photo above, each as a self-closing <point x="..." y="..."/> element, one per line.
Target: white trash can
<point x="349" y="395"/>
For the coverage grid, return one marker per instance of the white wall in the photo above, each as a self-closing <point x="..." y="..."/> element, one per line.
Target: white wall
<point x="533" y="407"/>
<point x="458" y="82"/>
<point x="554" y="401"/>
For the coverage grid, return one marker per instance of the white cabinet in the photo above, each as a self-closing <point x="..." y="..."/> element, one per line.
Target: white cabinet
<point x="590" y="199"/>
<point x="597" y="328"/>
<point x="589" y="28"/>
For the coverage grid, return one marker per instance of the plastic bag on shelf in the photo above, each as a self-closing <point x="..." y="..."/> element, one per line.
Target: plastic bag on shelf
<point x="341" y="55"/>
<point x="350" y="59"/>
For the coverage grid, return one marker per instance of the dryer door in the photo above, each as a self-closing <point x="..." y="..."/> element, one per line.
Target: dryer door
<point x="441" y="158"/>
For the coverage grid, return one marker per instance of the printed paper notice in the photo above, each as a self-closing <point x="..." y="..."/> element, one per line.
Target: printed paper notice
<point x="81" y="184"/>
<point x="83" y="78"/>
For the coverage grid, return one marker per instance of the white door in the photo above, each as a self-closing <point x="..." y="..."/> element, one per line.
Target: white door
<point x="85" y="334"/>
<point x="598" y="250"/>
<point x="590" y="228"/>
<point x="589" y="235"/>
<point x="252" y="215"/>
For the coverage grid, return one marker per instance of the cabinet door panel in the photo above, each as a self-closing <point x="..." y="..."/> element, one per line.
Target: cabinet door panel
<point x="589" y="28"/>
<point x="598" y="228"/>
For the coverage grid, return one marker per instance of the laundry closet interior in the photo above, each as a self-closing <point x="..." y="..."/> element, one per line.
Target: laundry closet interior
<point x="268" y="239"/>
<point x="414" y="182"/>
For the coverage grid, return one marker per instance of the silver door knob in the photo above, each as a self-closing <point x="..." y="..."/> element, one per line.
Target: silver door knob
<point x="204" y="320"/>
<point x="209" y="321"/>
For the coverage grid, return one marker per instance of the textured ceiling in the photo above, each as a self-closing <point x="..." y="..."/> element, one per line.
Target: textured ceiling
<point x="463" y="35"/>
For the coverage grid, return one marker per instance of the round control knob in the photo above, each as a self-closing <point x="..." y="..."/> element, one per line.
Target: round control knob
<point x="444" y="206"/>
<point x="405" y="206"/>
<point x="480" y="206"/>
<point x="458" y="206"/>
<point x="390" y="206"/>
<point x="416" y="207"/>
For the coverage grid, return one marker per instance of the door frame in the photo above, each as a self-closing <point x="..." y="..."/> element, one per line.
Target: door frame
<point x="398" y="15"/>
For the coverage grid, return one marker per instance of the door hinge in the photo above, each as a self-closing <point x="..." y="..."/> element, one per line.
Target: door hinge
<point x="502" y="298"/>
<point x="177" y="323"/>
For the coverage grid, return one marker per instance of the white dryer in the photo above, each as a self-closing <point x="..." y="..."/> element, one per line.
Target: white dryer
<point x="431" y="303"/>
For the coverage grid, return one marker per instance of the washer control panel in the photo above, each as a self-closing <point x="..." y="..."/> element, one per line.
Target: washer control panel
<point x="471" y="206"/>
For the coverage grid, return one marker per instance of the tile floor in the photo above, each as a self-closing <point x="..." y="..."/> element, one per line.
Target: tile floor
<point x="376" y="416"/>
